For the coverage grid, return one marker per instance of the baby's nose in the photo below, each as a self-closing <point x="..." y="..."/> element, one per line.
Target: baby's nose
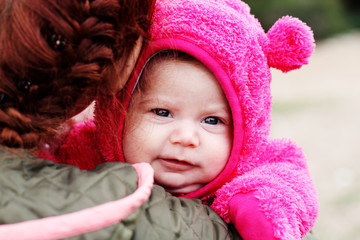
<point x="185" y="135"/>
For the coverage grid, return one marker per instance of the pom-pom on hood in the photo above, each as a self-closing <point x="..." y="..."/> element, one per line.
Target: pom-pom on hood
<point x="226" y="38"/>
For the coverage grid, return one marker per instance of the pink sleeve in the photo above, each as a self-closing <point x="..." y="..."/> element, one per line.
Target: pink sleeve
<point x="72" y="224"/>
<point x="283" y="190"/>
<point x="247" y="218"/>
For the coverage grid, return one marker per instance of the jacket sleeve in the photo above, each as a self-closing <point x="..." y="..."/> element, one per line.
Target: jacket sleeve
<point x="278" y="189"/>
<point x="96" y="217"/>
<point x="167" y="217"/>
<point x="56" y="200"/>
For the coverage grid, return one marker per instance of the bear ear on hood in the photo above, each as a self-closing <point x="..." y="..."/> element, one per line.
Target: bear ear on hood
<point x="290" y="44"/>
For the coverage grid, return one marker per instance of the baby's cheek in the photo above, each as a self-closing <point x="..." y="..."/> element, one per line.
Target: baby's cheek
<point x="219" y="161"/>
<point x="130" y="149"/>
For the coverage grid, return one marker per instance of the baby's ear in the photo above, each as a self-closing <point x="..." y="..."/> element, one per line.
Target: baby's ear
<point x="291" y="43"/>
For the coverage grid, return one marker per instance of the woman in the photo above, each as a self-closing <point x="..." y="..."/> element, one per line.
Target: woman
<point x="55" y="58"/>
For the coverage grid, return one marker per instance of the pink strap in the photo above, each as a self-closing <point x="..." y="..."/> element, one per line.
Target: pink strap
<point x="87" y="220"/>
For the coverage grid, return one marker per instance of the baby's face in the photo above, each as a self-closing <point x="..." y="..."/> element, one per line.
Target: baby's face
<point x="182" y="126"/>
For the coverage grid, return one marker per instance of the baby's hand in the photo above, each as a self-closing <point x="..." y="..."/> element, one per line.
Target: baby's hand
<point x="247" y="218"/>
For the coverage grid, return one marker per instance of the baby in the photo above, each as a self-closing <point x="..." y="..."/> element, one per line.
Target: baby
<point x="199" y="108"/>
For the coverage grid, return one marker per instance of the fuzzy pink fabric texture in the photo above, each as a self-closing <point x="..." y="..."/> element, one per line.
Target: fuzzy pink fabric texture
<point x="266" y="181"/>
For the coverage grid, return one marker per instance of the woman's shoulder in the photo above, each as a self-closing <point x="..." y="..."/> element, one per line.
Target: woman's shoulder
<point x="47" y="197"/>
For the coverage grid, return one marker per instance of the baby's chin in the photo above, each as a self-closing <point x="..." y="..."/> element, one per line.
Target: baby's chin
<point x="182" y="189"/>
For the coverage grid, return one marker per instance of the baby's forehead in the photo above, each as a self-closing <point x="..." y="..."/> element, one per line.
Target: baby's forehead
<point x="172" y="66"/>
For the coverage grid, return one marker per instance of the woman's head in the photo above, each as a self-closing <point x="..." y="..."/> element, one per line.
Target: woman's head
<point x="56" y="56"/>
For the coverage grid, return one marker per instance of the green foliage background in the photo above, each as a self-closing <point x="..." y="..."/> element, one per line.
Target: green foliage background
<point x="325" y="17"/>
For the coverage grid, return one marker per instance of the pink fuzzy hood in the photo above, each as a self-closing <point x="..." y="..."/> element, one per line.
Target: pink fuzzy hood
<point x="224" y="36"/>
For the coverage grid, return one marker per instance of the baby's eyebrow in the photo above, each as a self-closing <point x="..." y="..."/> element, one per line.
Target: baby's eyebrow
<point x="216" y="107"/>
<point x="149" y="101"/>
<point x="220" y="109"/>
<point x="155" y="99"/>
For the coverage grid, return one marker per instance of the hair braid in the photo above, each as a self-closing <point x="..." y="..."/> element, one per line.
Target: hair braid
<point x="56" y="56"/>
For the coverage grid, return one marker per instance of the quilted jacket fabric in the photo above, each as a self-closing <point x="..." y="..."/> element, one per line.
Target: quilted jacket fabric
<point x="33" y="188"/>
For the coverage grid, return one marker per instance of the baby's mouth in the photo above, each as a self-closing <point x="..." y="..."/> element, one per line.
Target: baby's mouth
<point x="175" y="164"/>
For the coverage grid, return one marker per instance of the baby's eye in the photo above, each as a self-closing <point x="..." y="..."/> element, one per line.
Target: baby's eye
<point x="161" y="112"/>
<point x="212" y="120"/>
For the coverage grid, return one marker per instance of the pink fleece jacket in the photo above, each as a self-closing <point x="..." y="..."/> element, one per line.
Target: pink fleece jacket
<point x="265" y="189"/>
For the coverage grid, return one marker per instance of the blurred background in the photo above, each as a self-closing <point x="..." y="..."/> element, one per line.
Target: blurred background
<point x="318" y="106"/>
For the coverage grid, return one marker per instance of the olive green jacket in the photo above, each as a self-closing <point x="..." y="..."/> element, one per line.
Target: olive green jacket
<point x="40" y="199"/>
